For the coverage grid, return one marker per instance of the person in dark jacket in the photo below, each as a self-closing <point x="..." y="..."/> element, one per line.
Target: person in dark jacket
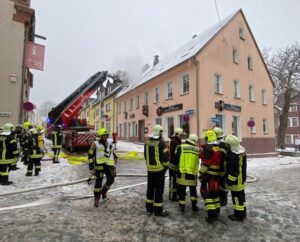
<point x="157" y="161"/>
<point x="173" y="167"/>
<point x="236" y="173"/>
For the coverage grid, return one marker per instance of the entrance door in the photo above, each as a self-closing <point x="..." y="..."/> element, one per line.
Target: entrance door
<point x="141" y="130"/>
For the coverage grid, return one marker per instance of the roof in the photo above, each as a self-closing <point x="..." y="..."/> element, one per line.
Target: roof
<point x="182" y="54"/>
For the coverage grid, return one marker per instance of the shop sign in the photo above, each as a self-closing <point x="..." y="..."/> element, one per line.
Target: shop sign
<point x="229" y="107"/>
<point x="5" y="115"/>
<point x="176" y="107"/>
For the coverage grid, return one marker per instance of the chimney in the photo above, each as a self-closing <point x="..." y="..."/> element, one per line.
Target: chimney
<point x="156" y="60"/>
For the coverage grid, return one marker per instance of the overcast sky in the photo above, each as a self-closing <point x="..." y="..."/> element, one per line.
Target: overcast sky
<point x="86" y="36"/>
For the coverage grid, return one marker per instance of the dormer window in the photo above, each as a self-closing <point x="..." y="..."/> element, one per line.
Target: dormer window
<point x="242" y="33"/>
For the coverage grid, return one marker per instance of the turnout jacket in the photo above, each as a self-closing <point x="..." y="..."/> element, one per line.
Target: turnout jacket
<point x="8" y="149"/>
<point x="156" y="155"/>
<point x="34" y="149"/>
<point x="211" y="161"/>
<point x="175" y="141"/>
<point x="57" y="137"/>
<point x="236" y="171"/>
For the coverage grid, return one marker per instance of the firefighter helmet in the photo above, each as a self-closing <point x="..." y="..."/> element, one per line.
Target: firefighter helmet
<point x="193" y="138"/>
<point x="7" y="129"/>
<point x="32" y="131"/>
<point x="219" y="132"/>
<point x="233" y="142"/>
<point x="102" y="131"/>
<point x="210" y="136"/>
<point x="178" y="131"/>
<point x="40" y="129"/>
<point x="157" y="131"/>
<point x="27" y="125"/>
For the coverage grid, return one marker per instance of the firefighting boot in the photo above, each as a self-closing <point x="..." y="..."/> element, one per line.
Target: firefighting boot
<point x="28" y="174"/>
<point x="181" y="207"/>
<point x="195" y="208"/>
<point x="96" y="202"/>
<point x="235" y="218"/>
<point x="36" y="173"/>
<point x="5" y="181"/>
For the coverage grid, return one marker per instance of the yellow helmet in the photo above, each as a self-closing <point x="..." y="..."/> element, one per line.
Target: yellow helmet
<point x="26" y="125"/>
<point x="40" y="128"/>
<point x="210" y="137"/>
<point x="102" y="131"/>
<point x="193" y="138"/>
<point x="219" y="132"/>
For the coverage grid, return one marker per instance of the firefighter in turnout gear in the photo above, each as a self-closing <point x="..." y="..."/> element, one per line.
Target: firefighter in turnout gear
<point x="211" y="162"/>
<point x="40" y="129"/>
<point x="57" y="137"/>
<point x="173" y="167"/>
<point x="18" y="135"/>
<point x="224" y="149"/>
<point x="236" y="172"/>
<point x="157" y="161"/>
<point x="187" y="156"/>
<point x="101" y="161"/>
<point x="35" y="153"/>
<point x="24" y="139"/>
<point x="8" y="152"/>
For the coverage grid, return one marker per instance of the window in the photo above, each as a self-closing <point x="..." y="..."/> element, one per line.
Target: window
<point x="108" y="107"/>
<point x="265" y="126"/>
<point x="184" y="124"/>
<point x="125" y="130"/>
<point x="120" y="130"/>
<point x="158" y="121"/>
<point x="130" y="104"/>
<point x="169" y="90"/>
<point x="250" y="64"/>
<point x="290" y="139"/>
<point x="236" y="126"/>
<point x="218" y="84"/>
<point x="125" y="107"/>
<point x="97" y="111"/>
<point x="251" y="93"/>
<point x="134" y="129"/>
<point x="236" y="89"/>
<point x="120" y="108"/>
<point x="241" y="33"/>
<point x="108" y="127"/>
<point x="137" y="102"/>
<point x="185" y="86"/>
<point x="221" y="121"/>
<point x="170" y="122"/>
<point x="235" y="56"/>
<point x="293" y="122"/>
<point x="293" y="107"/>
<point x="146" y="98"/>
<point x="156" y="95"/>
<point x="264" y="97"/>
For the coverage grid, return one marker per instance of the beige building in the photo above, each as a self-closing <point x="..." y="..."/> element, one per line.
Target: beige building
<point x="217" y="78"/>
<point x="17" y="26"/>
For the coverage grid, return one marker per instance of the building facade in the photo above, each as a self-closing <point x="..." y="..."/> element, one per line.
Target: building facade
<point x="17" y="27"/>
<point x="217" y="78"/>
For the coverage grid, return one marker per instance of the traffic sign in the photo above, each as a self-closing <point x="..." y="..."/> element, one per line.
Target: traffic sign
<point x="28" y="106"/>
<point x="214" y="120"/>
<point x="251" y="123"/>
<point x="189" y="111"/>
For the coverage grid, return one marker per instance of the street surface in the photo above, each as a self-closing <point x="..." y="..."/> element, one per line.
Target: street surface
<point x="67" y="213"/>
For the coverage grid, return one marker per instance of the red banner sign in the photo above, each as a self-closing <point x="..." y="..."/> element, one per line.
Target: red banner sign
<point x="34" y="57"/>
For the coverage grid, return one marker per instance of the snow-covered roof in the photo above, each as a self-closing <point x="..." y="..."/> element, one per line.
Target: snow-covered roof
<point x="182" y="54"/>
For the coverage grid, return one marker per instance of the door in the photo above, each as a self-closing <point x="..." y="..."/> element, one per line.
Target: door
<point x="141" y="130"/>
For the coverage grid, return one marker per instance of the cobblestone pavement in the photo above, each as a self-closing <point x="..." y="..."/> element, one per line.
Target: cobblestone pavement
<point x="272" y="206"/>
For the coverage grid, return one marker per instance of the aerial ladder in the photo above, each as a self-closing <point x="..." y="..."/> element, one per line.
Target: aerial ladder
<point x="76" y="132"/>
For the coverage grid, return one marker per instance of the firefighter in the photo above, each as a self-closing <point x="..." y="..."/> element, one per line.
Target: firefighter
<point x="187" y="156"/>
<point x="236" y="168"/>
<point x="41" y="143"/>
<point x="224" y="149"/>
<point x="157" y="161"/>
<point x="173" y="167"/>
<point x="17" y="135"/>
<point x="57" y="136"/>
<point x="24" y="139"/>
<point x="211" y="161"/>
<point x="8" y="152"/>
<point x="101" y="161"/>
<point x="35" y="153"/>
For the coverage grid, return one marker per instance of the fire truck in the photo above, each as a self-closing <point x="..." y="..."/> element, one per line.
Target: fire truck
<point x="76" y="132"/>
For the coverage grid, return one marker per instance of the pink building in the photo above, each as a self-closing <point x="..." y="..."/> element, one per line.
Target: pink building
<point x="217" y="78"/>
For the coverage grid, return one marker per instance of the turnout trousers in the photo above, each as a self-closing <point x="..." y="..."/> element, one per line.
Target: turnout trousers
<point x="182" y="193"/>
<point x="56" y="152"/>
<point x="155" y="190"/>
<point x="109" y="172"/>
<point x="36" y="163"/>
<point x="211" y="195"/>
<point x="172" y="185"/>
<point x="239" y="203"/>
<point x="4" y="172"/>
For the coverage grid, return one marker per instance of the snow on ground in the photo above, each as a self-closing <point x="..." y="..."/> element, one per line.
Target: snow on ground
<point x="272" y="207"/>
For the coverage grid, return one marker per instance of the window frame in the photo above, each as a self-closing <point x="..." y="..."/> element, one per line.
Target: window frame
<point x="251" y="93"/>
<point x="291" y="123"/>
<point x="264" y="96"/>
<point x="182" y="82"/>
<point x="218" y="83"/>
<point x="235" y="56"/>
<point x="236" y="89"/>
<point x="156" y="93"/>
<point x="242" y="33"/>
<point x="137" y="102"/>
<point x="293" y="105"/>
<point x="167" y="90"/>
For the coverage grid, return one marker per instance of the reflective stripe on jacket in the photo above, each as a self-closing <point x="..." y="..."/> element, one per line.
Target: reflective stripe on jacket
<point x="189" y="159"/>
<point x="211" y="160"/>
<point x="8" y="149"/>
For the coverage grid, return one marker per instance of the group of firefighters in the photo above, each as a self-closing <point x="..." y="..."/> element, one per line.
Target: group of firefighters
<point x="25" y="142"/>
<point x="223" y="169"/>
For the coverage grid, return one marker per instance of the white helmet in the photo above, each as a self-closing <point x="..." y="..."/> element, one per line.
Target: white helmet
<point x="219" y="132"/>
<point x="193" y="138"/>
<point x="32" y="131"/>
<point x="178" y="131"/>
<point x="157" y="131"/>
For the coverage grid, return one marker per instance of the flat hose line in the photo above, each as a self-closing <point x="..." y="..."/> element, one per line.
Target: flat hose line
<point x="253" y="179"/>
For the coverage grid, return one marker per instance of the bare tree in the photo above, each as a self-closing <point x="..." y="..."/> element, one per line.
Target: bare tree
<point x="284" y="67"/>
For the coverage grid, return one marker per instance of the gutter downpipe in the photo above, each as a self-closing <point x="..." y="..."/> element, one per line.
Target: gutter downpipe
<point x="196" y="63"/>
